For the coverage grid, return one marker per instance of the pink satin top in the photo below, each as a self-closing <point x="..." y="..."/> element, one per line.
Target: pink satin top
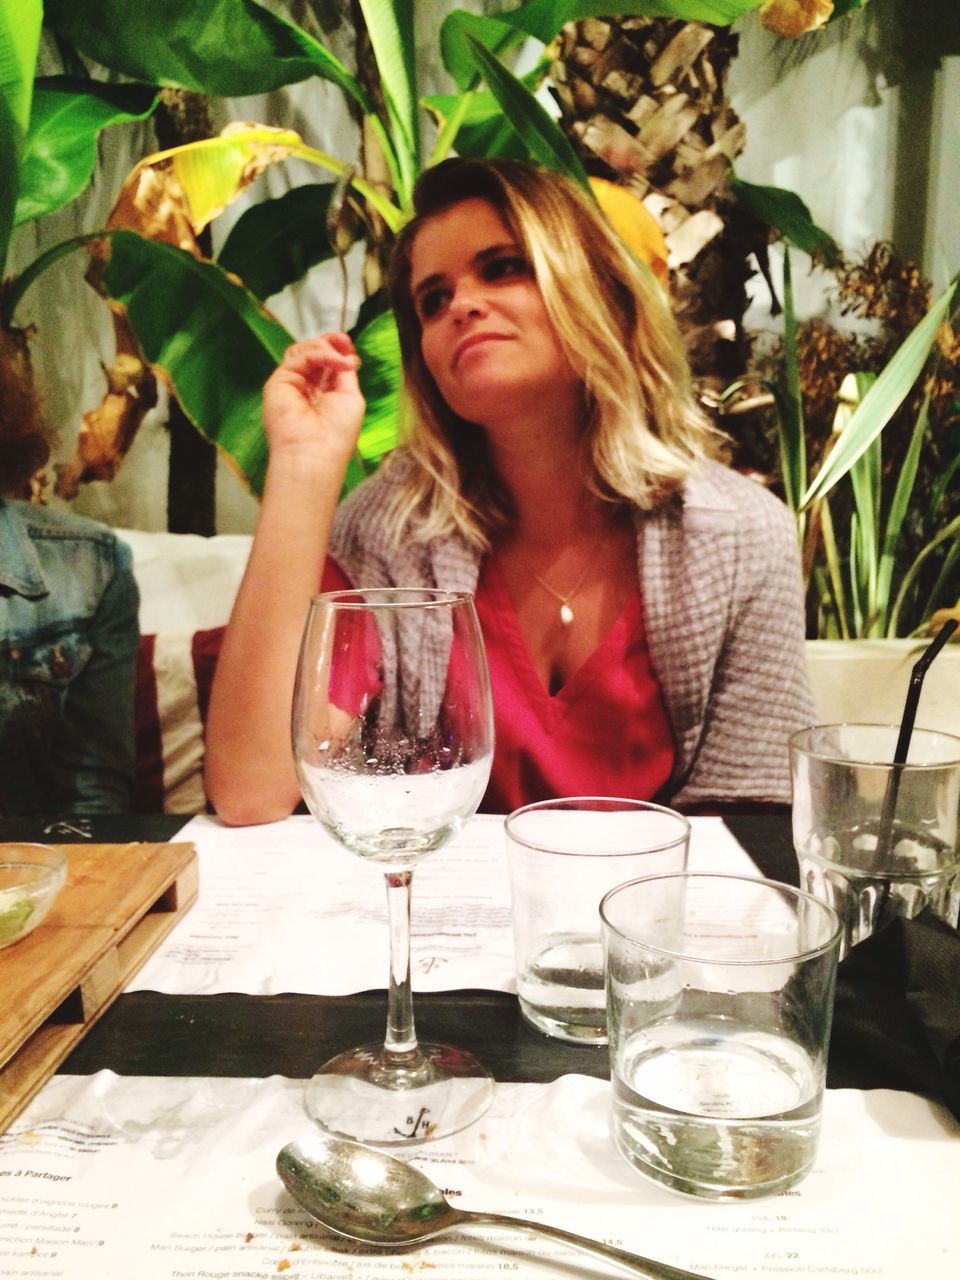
<point x="605" y="732"/>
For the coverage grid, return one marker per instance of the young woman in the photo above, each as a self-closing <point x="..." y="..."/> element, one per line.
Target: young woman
<point x="640" y="603"/>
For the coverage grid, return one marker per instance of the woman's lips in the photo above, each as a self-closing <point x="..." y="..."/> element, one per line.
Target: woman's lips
<point x="475" y="340"/>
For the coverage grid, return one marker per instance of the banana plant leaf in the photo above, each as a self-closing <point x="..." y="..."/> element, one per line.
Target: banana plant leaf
<point x="884" y="397"/>
<point x="276" y="243"/>
<point x="225" y="47"/>
<point x="390" y="27"/>
<point x="210" y="339"/>
<point x="483" y="131"/>
<point x="475" y="122"/>
<point x="378" y="346"/>
<point x="456" y="32"/>
<point x="544" y="140"/>
<point x="61" y="145"/>
<point x="787" y="214"/>
<point x="20" y="22"/>
<point x="203" y="178"/>
<point x="207" y="336"/>
<point x="544" y="18"/>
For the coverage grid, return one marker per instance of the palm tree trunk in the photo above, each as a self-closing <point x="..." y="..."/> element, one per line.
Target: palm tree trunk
<point x="191" y="478"/>
<point x="645" y="102"/>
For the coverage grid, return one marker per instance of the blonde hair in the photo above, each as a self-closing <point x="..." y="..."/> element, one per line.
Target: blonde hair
<point x="642" y="430"/>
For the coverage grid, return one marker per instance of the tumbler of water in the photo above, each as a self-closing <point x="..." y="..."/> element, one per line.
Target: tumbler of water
<point x="719" y="1001"/>
<point x="877" y="840"/>
<point x="563" y="856"/>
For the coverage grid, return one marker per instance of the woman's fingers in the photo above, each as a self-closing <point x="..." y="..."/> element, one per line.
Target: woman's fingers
<point x="314" y="394"/>
<point x="318" y="365"/>
<point x="329" y="350"/>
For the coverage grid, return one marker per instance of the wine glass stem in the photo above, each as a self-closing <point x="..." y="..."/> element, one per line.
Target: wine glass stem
<point x="401" y="1037"/>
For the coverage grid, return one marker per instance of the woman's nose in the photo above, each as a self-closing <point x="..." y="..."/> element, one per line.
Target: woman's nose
<point x="467" y="300"/>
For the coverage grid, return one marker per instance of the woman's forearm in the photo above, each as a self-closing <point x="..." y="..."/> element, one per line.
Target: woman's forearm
<point x="249" y="771"/>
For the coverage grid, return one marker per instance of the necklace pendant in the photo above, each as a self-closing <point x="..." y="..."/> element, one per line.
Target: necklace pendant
<point x="566" y="614"/>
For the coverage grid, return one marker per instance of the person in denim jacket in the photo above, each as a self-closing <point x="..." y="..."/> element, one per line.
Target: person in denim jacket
<point x="68" y="649"/>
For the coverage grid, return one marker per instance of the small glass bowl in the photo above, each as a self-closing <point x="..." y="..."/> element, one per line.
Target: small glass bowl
<point x="31" y="876"/>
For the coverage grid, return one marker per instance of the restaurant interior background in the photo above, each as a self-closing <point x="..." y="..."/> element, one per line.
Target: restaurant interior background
<point x="864" y="129"/>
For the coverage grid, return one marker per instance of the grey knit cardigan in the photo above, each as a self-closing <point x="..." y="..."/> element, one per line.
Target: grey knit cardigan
<point x="719" y="574"/>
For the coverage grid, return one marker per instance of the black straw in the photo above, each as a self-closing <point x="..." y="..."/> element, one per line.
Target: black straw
<point x="903" y="739"/>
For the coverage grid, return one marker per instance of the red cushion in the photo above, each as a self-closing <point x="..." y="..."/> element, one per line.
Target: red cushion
<point x="160" y="722"/>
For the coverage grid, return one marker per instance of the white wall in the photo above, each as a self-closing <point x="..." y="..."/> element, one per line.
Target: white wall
<point x="833" y="118"/>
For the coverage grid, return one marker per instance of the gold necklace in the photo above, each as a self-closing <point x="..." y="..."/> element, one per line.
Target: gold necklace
<point x="566" y="613"/>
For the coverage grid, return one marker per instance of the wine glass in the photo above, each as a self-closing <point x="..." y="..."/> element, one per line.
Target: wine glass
<point x="393" y="739"/>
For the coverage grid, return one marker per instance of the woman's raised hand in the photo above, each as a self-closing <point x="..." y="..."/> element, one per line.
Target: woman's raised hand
<point x="312" y="412"/>
<point x="313" y="398"/>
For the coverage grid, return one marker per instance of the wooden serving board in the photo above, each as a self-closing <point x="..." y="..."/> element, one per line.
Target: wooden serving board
<point x="119" y="902"/>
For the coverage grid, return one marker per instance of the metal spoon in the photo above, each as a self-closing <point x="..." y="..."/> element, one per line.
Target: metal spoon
<point x="366" y="1195"/>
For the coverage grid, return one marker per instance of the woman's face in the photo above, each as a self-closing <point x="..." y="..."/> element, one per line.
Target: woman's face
<point x="485" y="334"/>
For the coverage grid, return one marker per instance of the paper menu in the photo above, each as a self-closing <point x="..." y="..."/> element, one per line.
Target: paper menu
<point x="174" y="1178"/>
<point x="283" y="908"/>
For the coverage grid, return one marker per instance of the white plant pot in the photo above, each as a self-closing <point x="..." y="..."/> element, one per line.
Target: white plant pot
<point x="867" y="681"/>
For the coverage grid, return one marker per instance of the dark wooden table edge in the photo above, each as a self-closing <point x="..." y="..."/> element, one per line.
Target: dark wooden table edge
<point x="239" y="1035"/>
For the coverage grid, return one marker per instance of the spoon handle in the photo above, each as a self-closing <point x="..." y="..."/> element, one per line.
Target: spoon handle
<point x="645" y="1267"/>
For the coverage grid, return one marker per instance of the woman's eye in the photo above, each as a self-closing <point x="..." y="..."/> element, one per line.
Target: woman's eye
<point x="507" y="266"/>
<point x="430" y="303"/>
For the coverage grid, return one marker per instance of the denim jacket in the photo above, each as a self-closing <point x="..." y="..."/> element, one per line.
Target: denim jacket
<point x="68" y="651"/>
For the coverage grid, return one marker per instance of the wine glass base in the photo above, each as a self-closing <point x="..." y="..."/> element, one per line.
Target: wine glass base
<point x="360" y="1095"/>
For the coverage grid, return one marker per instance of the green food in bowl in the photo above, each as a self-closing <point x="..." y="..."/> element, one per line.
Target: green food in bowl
<point x="31" y="876"/>
<point x="12" y="919"/>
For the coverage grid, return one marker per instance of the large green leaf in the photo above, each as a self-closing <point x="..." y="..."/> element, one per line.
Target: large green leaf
<point x="545" y="142"/>
<point x="190" y="317"/>
<point x="544" y="18"/>
<point x="786" y="213"/>
<point x="390" y="26"/>
<point x="884" y="397"/>
<point x="277" y="242"/>
<point x="475" y="124"/>
<point x="61" y="146"/>
<point x="378" y="346"/>
<point x="484" y="131"/>
<point x="208" y="334"/>
<point x="19" y="40"/>
<point x="456" y="32"/>
<point x="225" y="47"/>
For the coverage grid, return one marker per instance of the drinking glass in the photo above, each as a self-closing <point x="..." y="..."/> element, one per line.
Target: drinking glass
<point x="563" y="855"/>
<point x="874" y="839"/>
<point x="393" y="739"/>
<point x="720" y="998"/>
